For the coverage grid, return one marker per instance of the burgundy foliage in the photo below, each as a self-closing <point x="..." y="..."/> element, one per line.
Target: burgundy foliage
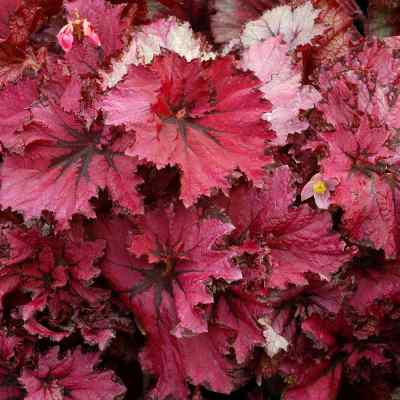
<point x="199" y="199"/>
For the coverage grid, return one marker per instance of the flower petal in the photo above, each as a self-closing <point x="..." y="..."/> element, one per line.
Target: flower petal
<point x="322" y="200"/>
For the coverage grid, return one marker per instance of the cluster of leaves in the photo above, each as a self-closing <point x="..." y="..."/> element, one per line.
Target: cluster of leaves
<point x="200" y="199"/>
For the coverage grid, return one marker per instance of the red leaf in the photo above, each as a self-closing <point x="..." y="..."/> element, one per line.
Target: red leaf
<point x="319" y="332"/>
<point x="362" y="153"/>
<point x="71" y="378"/>
<point x="16" y="245"/>
<point x="376" y="284"/>
<point x="16" y="62"/>
<point x="366" y="193"/>
<point x="163" y="299"/>
<point x="323" y="387"/>
<point x="15" y="101"/>
<point x="295" y="240"/>
<point x="153" y="39"/>
<point x="373" y="353"/>
<point x="57" y="271"/>
<point x="105" y="19"/>
<point x="349" y="96"/>
<point x="240" y="306"/>
<point x="8" y="8"/>
<point x="178" y="246"/>
<point x="68" y="263"/>
<point x="341" y="35"/>
<point x="64" y="166"/>
<point x="131" y="99"/>
<point x="9" y="351"/>
<point x="201" y="359"/>
<point x="200" y="123"/>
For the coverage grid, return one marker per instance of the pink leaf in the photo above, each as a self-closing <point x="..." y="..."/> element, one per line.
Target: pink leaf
<point x="297" y="26"/>
<point x="231" y="15"/>
<point x="202" y="130"/>
<point x="281" y="85"/>
<point x="15" y="101"/>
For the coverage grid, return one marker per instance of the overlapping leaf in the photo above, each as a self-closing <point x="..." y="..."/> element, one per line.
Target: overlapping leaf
<point x="295" y="240"/>
<point x="64" y="165"/>
<point x="167" y="290"/>
<point x="206" y="119"/>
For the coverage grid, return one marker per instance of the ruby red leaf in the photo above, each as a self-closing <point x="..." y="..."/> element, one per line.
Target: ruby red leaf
<point x="72" y="377"/>
<point x="64" y="166"/>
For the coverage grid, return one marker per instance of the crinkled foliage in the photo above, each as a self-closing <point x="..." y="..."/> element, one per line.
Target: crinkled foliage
<point x="163" y="273"/>
<point x="199" y="198"/>
<point x="72" y="377"/>
<point x="56" y="274"/>
<point x="362" y="148"/>
<point x="65" y="164"/>
<point x="206" y="119"/>
<point x="296" y="26"/>
<point x="294" y="240"/>
<point x="231" y="15"/>
<point x="11" y="356"/>
<point x="241" y="306"/>
<point x="105" y="18"/>
<point x="15" y="101"/>
<point x="281" y="85"/>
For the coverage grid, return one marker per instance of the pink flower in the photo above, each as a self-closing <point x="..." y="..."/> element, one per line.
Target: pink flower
<point x="320" y="188"/>
<point x="90" y="33"/>
<point x="66" y="35"/>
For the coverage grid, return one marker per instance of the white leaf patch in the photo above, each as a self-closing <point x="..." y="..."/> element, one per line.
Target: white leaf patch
<point x="296" y="26"/>
<point x="281" y="85"/>
<point x="148" y="42"/>
<point x="274" y="342"/>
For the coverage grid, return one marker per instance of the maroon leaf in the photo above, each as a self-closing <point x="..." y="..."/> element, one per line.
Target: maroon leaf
<point x="367" y="189"/>
<point x="59" y="280"/>
<point x="295" y="240"/>
<point x="178" y="247"/>
<point x="361" y="102"/>
<point x="9" y="7"/>
<point x="164" y="295"/>
<point x="240" y="306"/>
<point x="376" y="284"/>
<point x="73" y="377"/>
<point x="10" y="349"/>
<point x="322" y="387"/>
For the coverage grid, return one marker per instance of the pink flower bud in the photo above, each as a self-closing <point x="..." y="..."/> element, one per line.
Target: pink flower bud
<point x="90" y="33"/>
<point x="66" y="37"/>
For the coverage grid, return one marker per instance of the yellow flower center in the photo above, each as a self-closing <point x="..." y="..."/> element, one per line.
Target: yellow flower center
<point x="320" y="187"/>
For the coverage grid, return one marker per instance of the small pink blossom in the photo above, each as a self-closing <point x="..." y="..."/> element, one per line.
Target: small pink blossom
<point x="88" y="31"/>
<point x="320" y="188"/>
<point x="66" y="35"/>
